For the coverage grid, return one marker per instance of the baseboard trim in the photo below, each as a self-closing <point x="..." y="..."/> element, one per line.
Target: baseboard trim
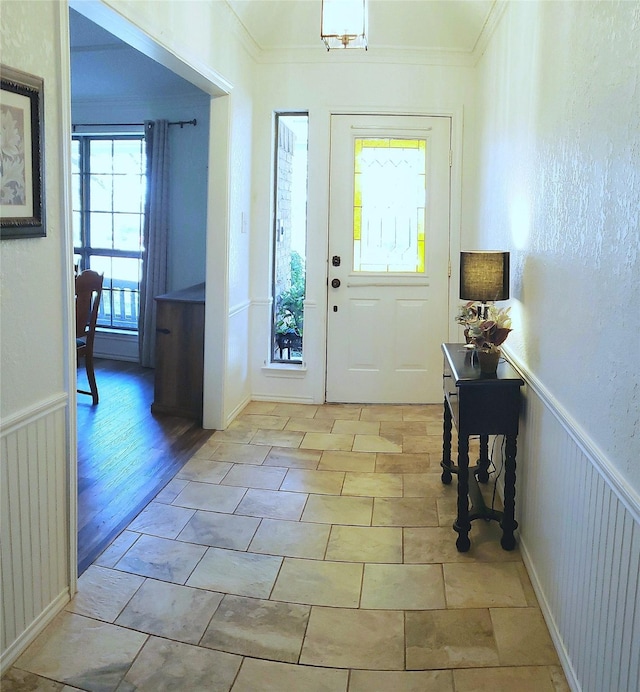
<point x="285" y="399"/>
<point x="552" y="625"/>
<point x="17" y="647"/>
<point x="236" y="411"/>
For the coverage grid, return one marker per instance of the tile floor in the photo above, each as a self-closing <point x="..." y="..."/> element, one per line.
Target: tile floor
<point x="306" y="548"/>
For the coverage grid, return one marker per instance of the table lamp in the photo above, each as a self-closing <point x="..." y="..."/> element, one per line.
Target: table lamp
<point x="484" y="277"/>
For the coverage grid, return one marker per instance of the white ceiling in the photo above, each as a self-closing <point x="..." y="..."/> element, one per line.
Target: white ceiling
<point x="103" y="67"/>
<point x="430" y="25"/>
<point x="442" y="30"/>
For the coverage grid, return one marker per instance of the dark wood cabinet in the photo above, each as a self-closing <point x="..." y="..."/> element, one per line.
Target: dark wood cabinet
<point x="482" y="405"/>
<point x="179" y="369"/>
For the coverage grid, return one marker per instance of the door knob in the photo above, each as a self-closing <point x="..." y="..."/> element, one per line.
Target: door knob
<point x="335" y="283"/>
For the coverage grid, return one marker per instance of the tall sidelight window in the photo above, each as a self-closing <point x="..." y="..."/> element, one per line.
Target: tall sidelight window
<point x="289" y="237"/>
<point x="109" y="187"/>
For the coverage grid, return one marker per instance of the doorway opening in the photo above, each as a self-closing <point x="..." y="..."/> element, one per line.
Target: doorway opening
<point x="124" y="454"/>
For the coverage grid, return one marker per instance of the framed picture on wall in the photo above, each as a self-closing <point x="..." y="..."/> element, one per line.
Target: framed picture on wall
<point x="22" y="155"/>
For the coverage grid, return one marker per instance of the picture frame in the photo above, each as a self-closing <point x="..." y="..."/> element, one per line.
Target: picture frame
<point x="22" y="155"/>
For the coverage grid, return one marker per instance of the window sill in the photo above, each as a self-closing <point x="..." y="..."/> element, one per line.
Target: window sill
<point x="130" y="333"/>
<point x="285" y="370"/>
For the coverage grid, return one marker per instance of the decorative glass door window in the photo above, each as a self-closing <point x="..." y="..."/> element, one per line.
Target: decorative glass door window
<point x="389" y="205"/>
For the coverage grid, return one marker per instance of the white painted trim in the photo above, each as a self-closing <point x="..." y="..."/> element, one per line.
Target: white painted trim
<point x="236" y="412"/>
<point x="69" y="319"/>
<point x="103" y="12"/>
<point x="490" y="25"/>
<point x="9" y="656"/>
<point x="284" y="371"/>
<point x="388" y="55"/>
<point x="240" y="307"/>
<point x="545" y="606"/>
<point x="216" y="323"/>
<point x="455" y="211"/>
<point x="33" y="413"/>
<point x="240" y="32"/>
<point x="627" y="495"/>
<point x="550" y="620"/>
<point x="314" y="54"/>
<point x="381" y="55"/>
<point x="285" y="399"/>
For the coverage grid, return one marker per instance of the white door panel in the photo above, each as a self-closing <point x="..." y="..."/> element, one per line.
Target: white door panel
<point x="410" y="350"/>
<point x="364" y="348"/>
<point x="388" y="315"/>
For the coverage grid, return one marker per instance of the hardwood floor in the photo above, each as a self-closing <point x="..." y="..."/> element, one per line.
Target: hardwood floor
<point x="125" y="454"/>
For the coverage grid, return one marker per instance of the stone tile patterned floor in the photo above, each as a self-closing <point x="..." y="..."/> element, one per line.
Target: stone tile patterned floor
<point x="305" y="548"/>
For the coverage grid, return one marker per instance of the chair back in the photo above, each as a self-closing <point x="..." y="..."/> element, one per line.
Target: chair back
<point x="88" y="293"/>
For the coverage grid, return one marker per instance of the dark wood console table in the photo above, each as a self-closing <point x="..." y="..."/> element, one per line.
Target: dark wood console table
<point x="480" y="405"/>
<point x="179" y="370"/>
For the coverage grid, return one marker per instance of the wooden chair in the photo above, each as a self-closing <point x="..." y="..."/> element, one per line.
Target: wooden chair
<point x="88" y="293"/>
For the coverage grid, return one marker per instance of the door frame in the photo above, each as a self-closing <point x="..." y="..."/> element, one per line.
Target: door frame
<point x="455" y="206"/>
<point x="216" y="265"/>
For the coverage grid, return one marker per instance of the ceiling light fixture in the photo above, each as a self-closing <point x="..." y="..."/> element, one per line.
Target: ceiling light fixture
<point x="344" y="24"/>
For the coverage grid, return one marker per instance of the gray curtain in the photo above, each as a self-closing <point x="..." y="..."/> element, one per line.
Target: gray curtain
<point x="156" y="232"/>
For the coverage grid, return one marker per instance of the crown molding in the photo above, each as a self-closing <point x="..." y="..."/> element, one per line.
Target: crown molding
<point x="376" y="55"/>
<point x="241" y="33"/>
<point x="493" y="20"/>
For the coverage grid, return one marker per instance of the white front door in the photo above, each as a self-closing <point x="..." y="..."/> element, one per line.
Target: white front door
<point x="388" y="290"/>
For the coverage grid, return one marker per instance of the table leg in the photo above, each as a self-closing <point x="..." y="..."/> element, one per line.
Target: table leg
<point x="483" y="461"/>
<point x="508" y="523"/>
<point x="446" y="445"/>
<point x="462" y="524"/>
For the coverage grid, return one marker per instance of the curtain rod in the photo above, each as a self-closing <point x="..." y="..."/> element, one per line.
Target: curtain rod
<point x="182" y="123"/>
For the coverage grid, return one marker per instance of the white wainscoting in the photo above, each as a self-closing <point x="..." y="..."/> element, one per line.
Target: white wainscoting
<point x="34" y="546"/>
<point x="580" y="539"/>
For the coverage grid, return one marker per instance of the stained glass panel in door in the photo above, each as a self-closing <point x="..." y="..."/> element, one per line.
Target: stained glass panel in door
<point x="389" y="205"/>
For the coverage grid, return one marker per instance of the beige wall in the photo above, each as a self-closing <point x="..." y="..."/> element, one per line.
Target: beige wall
<point x="558" y="184"/>
<point x="31" y="282"/>
<point x="36" y="440"/>
<point x="554" y="178"/>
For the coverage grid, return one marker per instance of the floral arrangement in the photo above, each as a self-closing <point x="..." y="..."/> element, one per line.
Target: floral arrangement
<point x="485" y="334"/>
<point x="468" y="314"/>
